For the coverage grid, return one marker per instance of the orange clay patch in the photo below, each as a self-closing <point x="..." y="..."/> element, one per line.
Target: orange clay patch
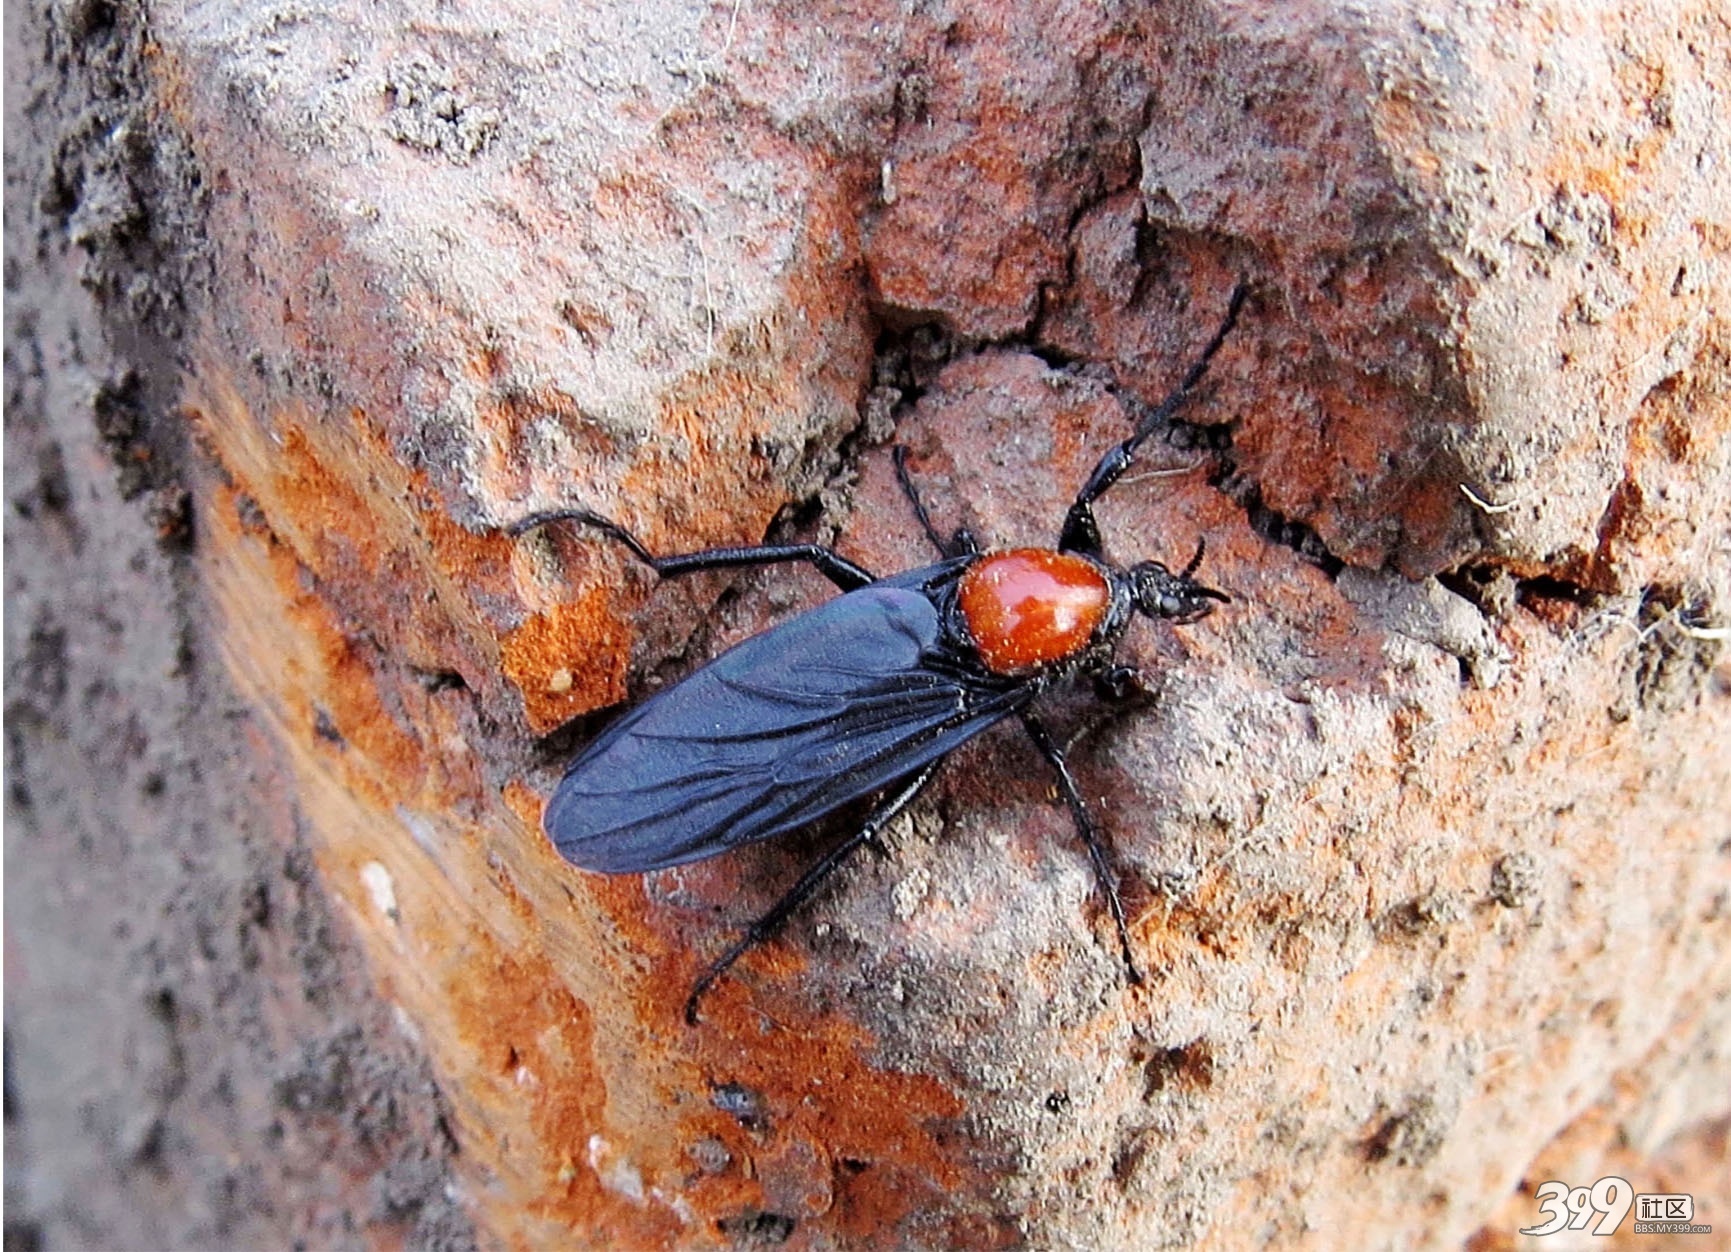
<point x="1032" y="607"/>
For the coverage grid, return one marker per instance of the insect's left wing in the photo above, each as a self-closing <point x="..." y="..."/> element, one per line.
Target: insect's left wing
<point x="782" y="729"/>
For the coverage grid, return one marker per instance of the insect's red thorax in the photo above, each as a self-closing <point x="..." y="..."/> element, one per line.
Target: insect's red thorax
<point x="1032" y="607"/>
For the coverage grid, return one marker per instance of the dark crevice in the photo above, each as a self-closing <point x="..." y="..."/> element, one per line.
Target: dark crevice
<point x="754" y="1229"/>
<point x="1149" y="252"/>
<point x="555" y="750"/>
<point x="909" y="359"/>
<point x="1411" y="1137"/>
<point x="325" y="728"/>
<point x="909" y="353"/>
<point x="1189" y="1067"/>
<point x="434" y="681"/>
<point x="1056" y="358"/>
<point x="1274" y="526"/>
<point x="796" y="518"/>
<point x="1196" y="437"/>
<point x="1491" y="588"/>
<point x="1542" y="587"/>
<point x="1127" y="1160"/>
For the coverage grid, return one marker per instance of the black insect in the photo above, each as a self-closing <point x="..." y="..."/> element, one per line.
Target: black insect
<point x="867" y="692"/>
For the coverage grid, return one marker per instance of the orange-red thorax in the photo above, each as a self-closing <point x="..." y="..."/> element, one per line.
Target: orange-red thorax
<point x="1032" y="607"/>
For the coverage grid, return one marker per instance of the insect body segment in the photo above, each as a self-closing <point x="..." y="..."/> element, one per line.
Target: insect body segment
<point x="777" y="732"/>
<point x="865" y="694"/>
<point x="1032" y="608"/>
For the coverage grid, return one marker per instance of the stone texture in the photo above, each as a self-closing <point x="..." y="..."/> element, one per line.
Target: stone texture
<point x="196" y="1053"/>
<point x="1424" y="834"/>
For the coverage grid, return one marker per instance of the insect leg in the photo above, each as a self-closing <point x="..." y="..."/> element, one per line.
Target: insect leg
<point x="765" y="927"/>
<point x="1081" y="532"/>
<point x="961" y="543"/>
<point x="831" y="564"/>
<point x="1104" y="874"/>
<point x="1120" y="684"/>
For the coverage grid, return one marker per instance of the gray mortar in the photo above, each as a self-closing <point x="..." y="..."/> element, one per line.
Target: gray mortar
<point x="195" y="1056"/>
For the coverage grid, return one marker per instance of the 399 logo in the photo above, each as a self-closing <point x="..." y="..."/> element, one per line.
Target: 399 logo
<point x="1603" y="1206"/>
<point x="1571" y="1208"/>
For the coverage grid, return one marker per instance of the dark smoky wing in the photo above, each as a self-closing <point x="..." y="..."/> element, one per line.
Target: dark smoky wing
<point x="789" y="725"/>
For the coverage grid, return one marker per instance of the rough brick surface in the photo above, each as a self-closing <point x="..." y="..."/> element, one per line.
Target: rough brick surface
<point x="1425" y="834"/>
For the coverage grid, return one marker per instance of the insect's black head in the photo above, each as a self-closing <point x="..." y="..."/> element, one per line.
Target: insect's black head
<point x="1179" y="598"/>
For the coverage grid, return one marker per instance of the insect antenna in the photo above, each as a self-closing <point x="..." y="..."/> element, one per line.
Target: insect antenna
<point x="899" y="456"/>
<point x="1195" y="561"/>
<point x="962" y="543"/>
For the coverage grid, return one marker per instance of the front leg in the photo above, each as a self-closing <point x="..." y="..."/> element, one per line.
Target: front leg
<point x="1081" y="533"/>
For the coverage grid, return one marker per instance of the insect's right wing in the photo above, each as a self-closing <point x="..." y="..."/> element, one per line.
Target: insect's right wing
<point x="787" y="726"/>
